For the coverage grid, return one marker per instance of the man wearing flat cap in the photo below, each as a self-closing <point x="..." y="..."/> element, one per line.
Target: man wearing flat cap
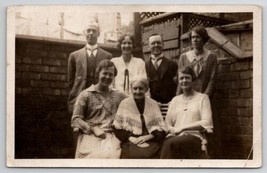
<point x="82" y="64"/>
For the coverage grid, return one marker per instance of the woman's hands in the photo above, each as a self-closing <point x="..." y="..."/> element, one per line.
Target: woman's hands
<point x="98" y="132"/>
<point x="141" y="140"/>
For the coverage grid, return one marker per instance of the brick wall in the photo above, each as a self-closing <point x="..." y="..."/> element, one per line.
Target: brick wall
<point x="42" y="126"/>
<point x="232" y="102"/>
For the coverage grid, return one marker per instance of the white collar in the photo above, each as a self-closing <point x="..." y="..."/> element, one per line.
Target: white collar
<point x="154" y="58"/>
<point x="91" y="47"/>
<point x="192" y="56"/>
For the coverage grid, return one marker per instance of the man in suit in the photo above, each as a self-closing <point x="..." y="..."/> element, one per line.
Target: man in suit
<point x="82" y="64"/>
<point x="161" y="71"/>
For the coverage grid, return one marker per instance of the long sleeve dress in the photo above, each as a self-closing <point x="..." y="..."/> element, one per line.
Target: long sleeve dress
<point x="125" y="74"/>
<point x="92" y="109"/>
<point x="205" y="67"/>
<point x="188" y="144"/>
<point x="138" y="118"/>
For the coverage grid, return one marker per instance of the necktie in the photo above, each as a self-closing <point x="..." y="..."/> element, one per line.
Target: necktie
<point x="198" y="66"/>
<point x="126" y="81"/>
<point x="156" y="63"/>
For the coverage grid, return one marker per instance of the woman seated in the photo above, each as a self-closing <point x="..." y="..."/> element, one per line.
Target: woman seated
<point x="127" y="65"/>
<point x="139" y="124"/>
<point x="188" y="115"/>
<point x="94" y="112"/>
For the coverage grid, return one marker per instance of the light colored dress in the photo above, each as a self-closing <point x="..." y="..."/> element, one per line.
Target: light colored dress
<point x="181" y="113"/>
<point x="135" y="67"/>
<point x="197" y="110"/>
<point x="92" y="109"/>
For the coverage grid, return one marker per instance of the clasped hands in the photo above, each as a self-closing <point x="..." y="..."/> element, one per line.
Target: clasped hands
<point x="141" y="140"/>
<point x="98" y="132"/>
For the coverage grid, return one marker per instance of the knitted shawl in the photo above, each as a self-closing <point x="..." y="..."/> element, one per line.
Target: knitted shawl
<point x="128" y="117"/>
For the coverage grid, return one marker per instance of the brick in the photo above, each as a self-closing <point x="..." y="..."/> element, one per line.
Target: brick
<point x="240" y="84"/>
<point x="18" y="59"/>
<point x="229" y="76"/>
<point x="18" y="90"/>
<point x="54" y="62"/>
<point x="32" y="60"/>
<point x="233" y="93"/>
<point x="30" y="75"/>
<point x="243" y="102"/>
<point x="22" y="67"/>
<point x="223" y="84"/>
<point x="246" y="93"/>
<point x="226" y="103"/>
<point x="22" y="83"/>
<point x="244" y="112"/>
<point x="58" y="70"/>
<point x="64" y="92"/>
<point x="58" y="84"/>
<point x="56" y="77"/>
<point x="31" y="91"/>
<point x="48" y="91"/>
<point x="246" y="74"/>
<point x="38" y="83"/>
<point x="39" y="68"/>
<point x="240" y="66"/>
<point x="55" y="54"/>
<point x="221" y="94"/>
<point x="245" y="121"/>
<point x="224" y="68"/>
<point x="18" y="75"/>
<point x="64" y="62"/>
<point x="251" y="65"/>
<point x="228" y="111"/>
<point x="37" y="53"/>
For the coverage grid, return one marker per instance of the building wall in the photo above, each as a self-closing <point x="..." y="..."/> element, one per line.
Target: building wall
<point x="42" y="126"/>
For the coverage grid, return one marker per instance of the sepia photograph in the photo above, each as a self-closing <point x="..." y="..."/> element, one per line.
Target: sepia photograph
<point x="134" y="86"/>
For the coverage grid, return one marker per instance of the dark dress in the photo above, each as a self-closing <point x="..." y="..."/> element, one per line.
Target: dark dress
<point x="133" y="151"/>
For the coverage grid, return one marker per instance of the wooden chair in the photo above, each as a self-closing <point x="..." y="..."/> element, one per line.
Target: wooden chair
<point x="164" y="109"/>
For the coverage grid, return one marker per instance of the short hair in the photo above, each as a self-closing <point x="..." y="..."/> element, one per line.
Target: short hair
<point x="187" y="70"/>
<point x="201" y="31"/>
<point x="142" y="79"/>
<point x="92" y="23"/>
<point x="120" y="40"/>
<point x="155" y="34"/>
<point x="105" y="64"/>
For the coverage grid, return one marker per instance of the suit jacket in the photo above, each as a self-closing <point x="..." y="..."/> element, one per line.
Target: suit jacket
<point x="77" y="72"/>
<point x="161" y="82"/>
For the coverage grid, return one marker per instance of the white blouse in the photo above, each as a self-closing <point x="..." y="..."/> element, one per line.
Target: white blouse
<point x="135" y="67"/>
<point x="182" y="113"/>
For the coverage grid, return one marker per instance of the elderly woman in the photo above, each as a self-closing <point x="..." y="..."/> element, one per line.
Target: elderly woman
<point x="94" y="112"/>
<point x="139" y="124"/>
<point x="189" y="114"/>
<point x="127" y="65"/>
<point x="202" y="61"/>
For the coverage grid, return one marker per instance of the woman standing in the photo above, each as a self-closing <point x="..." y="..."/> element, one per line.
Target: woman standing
<point x="189" y="114"/>
<point x="127" y="65"/>
<point x="202" y="61"/>
<point x="139" y="124"/>
<point x="94" y="112"/>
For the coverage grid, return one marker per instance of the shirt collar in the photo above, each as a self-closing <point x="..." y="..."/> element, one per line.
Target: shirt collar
<point x="91" y="47"/>
<point x="192" y="56"/>
<point x="155" y="58"/>
<point x="93" y="88"/>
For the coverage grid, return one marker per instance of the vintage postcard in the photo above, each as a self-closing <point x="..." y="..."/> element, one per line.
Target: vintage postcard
<point x="134" y="86"/>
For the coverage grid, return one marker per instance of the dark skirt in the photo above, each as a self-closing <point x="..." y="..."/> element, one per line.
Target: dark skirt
<point x="182" y="147"/>
<point x="132" y="151"/>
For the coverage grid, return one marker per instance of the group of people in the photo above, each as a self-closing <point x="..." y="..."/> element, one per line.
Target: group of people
<point x="114" y="102"/>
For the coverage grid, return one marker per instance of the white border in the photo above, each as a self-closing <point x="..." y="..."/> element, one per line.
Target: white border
<point x="257" y="89"/>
